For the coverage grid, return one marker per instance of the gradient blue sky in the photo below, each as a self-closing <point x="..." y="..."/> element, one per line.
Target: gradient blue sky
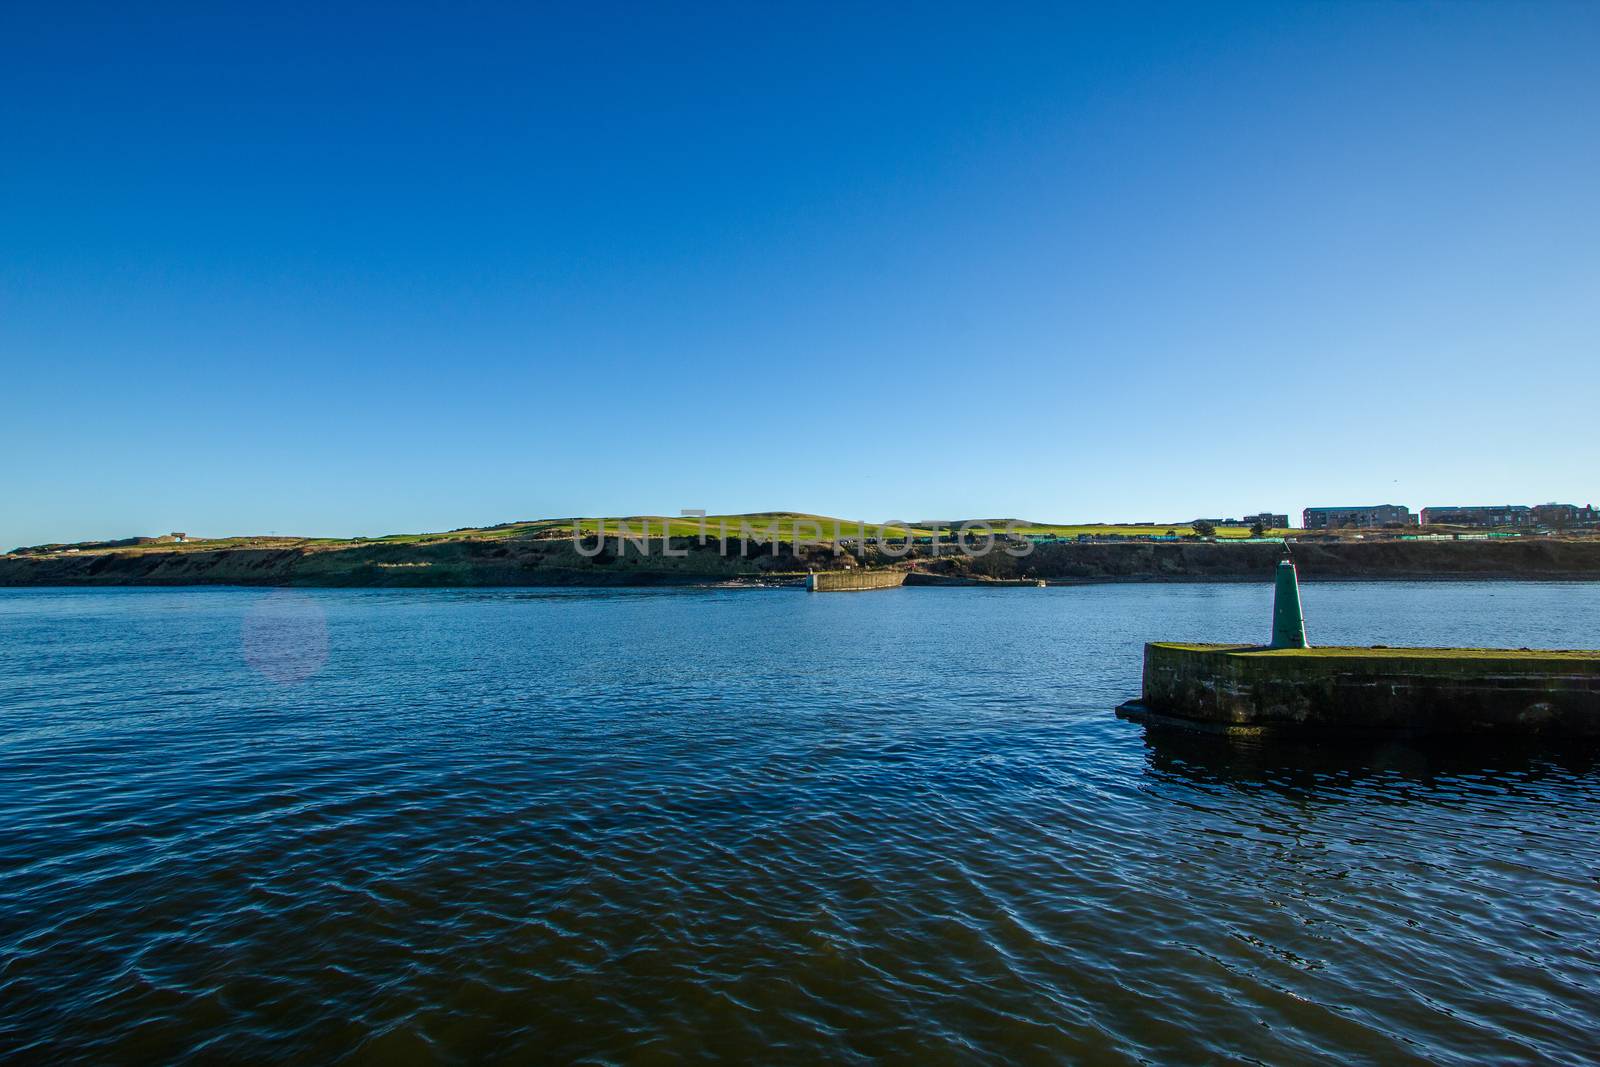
<point x="413" y="268"/>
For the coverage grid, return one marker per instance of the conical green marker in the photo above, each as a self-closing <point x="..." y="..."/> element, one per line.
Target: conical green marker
<point x="1288" y="624"/>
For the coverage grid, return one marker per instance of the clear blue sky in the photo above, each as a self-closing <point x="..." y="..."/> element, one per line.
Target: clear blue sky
<point x="416" y="268"/>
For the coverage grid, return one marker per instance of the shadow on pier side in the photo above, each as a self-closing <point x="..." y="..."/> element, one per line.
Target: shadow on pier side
<point x="1331" y="766"/>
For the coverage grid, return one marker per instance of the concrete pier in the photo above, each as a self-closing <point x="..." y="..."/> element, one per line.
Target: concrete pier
<point x="1242" y="689"/>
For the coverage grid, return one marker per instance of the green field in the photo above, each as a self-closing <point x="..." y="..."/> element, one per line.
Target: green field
<point x="810" y="526"/>
<point x="1179" y="528"/>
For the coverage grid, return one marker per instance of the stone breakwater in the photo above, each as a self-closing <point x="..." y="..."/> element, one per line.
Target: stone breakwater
<point x="853" y="581"/>
<point x="1242" y="689"/>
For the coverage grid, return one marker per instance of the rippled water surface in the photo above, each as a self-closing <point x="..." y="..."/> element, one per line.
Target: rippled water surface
<point x="411" y="826"/>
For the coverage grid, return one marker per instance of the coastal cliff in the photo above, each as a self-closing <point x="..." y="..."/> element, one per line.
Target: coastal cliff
<point x="558" y="561"/>
<point x="1530" y="558"/>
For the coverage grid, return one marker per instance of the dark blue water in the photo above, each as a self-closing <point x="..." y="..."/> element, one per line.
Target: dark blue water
<point x="418" y="826"/>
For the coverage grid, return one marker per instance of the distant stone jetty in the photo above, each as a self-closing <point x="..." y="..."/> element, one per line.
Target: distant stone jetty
<point x="854" y="580"/>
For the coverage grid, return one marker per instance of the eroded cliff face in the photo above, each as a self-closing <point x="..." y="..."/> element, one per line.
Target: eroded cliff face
<point x="1355" y="560"/>
<point x="464" y="562"/>
<point x="512" y="562"/>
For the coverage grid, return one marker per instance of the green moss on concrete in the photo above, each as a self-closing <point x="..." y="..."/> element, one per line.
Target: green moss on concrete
<point x="1385" y="652"/>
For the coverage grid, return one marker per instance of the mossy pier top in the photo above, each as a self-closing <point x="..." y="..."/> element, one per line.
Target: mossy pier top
<point x="1350" y="653"/>
<point x="1377" y="690"/>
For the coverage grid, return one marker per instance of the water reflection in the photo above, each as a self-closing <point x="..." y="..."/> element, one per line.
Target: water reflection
<point x="1329" y="767"/>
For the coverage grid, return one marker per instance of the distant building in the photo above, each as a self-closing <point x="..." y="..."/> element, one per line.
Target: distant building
<point x="1484" y="515"/>
<point x="1268" y="519"/>
<point x="1566" y="515"/>
<point x="1370" y="515"/>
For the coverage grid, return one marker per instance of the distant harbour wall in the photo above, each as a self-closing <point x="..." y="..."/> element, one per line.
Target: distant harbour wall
<point x="1400" y="691"/>
<point x="854" y="580"/>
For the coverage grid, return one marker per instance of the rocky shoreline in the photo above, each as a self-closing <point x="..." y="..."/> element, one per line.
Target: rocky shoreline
<point x="558" y="562"/>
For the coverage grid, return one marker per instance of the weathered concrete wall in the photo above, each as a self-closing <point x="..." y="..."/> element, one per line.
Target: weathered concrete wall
<point x="1410" y="691"/>
<point x="854" y="580"/>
